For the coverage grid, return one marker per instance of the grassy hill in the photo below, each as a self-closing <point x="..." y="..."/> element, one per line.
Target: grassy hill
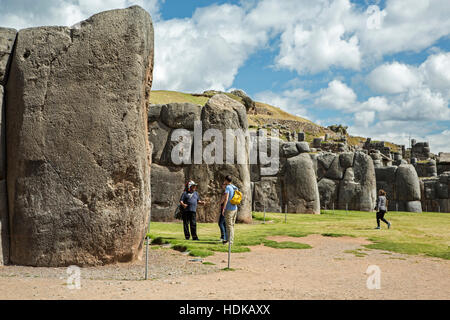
<point x="266" y="115"/>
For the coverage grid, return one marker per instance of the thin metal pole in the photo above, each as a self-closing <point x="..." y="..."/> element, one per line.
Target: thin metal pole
<point x="264" y="213"/>
<point x="147" y="239"/>
<point x="333" y="207"/>
<point x="229" y="252"/>
<point x="146" y="258"/>
<point x="346" y="208"/>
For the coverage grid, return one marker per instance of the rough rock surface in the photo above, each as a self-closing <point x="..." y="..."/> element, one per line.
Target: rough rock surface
<point x="167" y="187"/>
<point x="302" y="193"/>
<point x="407" y="182"/>
<point x="7" y="38"/>
<point x="78" y="154"/>
<point x="222" y="112"/>
<point x="267" y="195"/>
<point x="180" y="115"/>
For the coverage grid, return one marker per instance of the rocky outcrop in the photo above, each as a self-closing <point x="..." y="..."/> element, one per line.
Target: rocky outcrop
<point x="7" y="39"/>
<point x="78" y="156"/>
<point x="220" y="113"/>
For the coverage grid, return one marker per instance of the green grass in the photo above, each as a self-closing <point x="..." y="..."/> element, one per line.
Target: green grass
<point x="411" y="233"/>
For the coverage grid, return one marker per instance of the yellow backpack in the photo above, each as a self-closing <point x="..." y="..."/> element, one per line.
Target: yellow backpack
<point x="237" y="197"/>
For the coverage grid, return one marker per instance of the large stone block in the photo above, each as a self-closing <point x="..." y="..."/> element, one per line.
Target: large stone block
<point x="328" y="190"/>
<point x="407" y="182"/>
<point x="267" y="195"/>
<point x="180" y="115"/>
<point x="302" y="192"/>
<point x="222" y="113"/>
<point x="7" y="39"/>
<point x="158" y="135"/>
<point x="78" y="154"/>
<point x="167" y="187"/>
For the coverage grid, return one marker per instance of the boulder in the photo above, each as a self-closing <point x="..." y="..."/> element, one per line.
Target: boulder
<point x="346" y="159"/>
<point x="78" y="173"/>
<point x="328" y="190"/>
<point x="302" y="193"/>
<point x="407" y="183"/>
<point x="154" y="112"/>
<point x="386" y="174"/>
<point x="303" y="147"/>
<point x="267" y="194"/>
<point x="326" y="159"/>
<point x="180" y="115"/>
<point x="158" y="135"/>
<point x="222" y="112"/>
<point x="413" y="206"/>
<point x="289" y="149"/>
<point x="335" y="172"/>
<point x="7" y="39"/>
<point x="167" y="187"/>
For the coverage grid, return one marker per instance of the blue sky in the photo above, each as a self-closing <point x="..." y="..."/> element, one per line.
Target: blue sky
<point x="380" y="67"/>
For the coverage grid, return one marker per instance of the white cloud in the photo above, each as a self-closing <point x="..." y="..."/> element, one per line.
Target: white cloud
<point x="337" y="96"/>
<point x="393" y="78"/>
<point x="205" y="51"/>
<point x="289" y="100"/>
<point x="31" y="13"/>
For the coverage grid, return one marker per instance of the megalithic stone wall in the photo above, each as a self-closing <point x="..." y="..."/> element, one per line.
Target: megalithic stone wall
<point x="346" y="180"/>
<point x="78" y="171"/>
<point x="7" y="39"/>
<point x="168" y="178"/>
<point x="402" y="187"/>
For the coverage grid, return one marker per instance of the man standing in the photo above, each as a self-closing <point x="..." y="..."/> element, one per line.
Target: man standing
<point x="189" y="200"/>
<point x="229" y="210"/>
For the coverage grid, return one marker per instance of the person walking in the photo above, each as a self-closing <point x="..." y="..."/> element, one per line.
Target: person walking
<point x="381" y="209"/>
<point x="229" y="210"/>
<point x="189" y="200"/>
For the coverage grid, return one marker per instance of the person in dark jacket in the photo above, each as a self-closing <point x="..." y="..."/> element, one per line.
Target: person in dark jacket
<point x="381" y="209"/>
<point x="189" y="200"/>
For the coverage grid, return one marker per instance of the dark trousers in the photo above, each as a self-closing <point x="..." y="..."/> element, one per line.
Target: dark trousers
<point x="189" y="220"/>
<point x="380" y="216"/>
<point x="223" y="227"/>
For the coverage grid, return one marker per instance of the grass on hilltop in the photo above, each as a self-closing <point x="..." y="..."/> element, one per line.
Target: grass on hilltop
<point x="411" y="233"/>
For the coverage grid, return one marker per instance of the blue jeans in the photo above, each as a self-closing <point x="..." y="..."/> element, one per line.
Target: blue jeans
<point x="223" y="227"/>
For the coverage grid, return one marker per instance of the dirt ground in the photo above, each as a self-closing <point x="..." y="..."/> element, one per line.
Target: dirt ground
<point x="335" y="268"/>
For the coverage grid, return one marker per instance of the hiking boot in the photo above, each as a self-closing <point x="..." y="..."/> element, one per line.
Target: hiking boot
<point x="389" y="225"/>
<point x="377" y="228"/>
<point x="196" y="239"/>
<point x="224" y="241"/>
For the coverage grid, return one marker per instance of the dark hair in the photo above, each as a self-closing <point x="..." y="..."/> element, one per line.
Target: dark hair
<point x="382" y="192"/>
<point x="229" y="178"/>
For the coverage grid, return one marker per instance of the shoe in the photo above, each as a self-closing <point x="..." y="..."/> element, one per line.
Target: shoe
<point x="389" y="225"/>
<point x="377" y="228"/>
<point x="187" y="238"/>
<point x="196" y="239"/>
<point x="224" y="241"/>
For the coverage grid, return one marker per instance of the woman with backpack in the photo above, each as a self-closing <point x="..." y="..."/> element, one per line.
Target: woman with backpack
<point x="189" y="200"/>
<point x="381" y="209"/>
<point x="229" y="208"/>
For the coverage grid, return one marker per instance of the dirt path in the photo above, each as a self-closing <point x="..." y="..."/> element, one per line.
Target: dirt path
<point x="330" y="270"/>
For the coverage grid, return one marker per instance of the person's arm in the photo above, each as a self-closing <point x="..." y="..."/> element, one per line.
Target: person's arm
<point x="201" y="202"/>
<point x="181" y="201"/>
<point x="226" y="196"/>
